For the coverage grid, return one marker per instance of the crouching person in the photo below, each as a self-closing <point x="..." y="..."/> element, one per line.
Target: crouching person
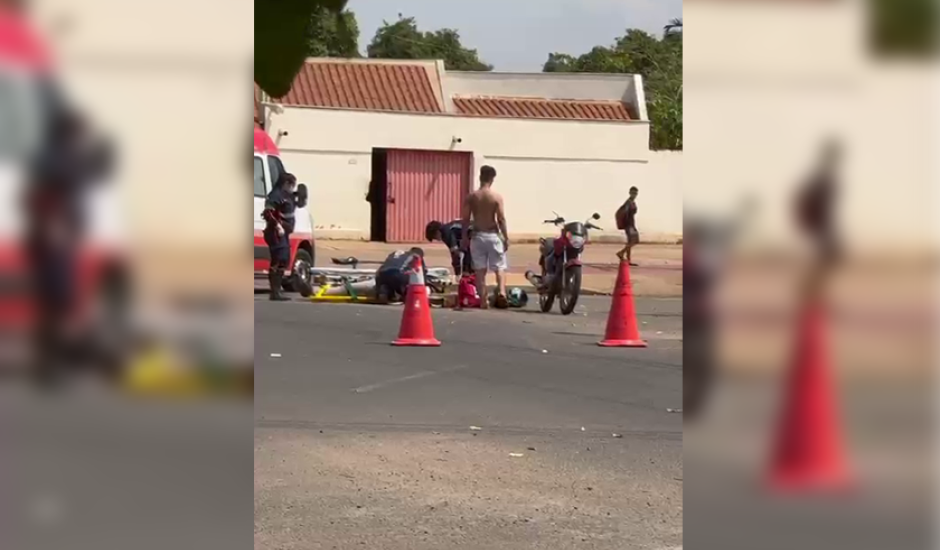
<point x="394" y="275"/>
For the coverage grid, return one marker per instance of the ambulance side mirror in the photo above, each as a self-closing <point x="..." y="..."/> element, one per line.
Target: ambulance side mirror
<point x="301" y="195"/>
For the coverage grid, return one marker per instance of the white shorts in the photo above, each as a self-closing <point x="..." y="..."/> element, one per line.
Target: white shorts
<point x="487" y="252"/>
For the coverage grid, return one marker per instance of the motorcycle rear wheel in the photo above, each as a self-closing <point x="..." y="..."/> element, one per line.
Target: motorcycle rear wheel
<point x="546" y="297"/>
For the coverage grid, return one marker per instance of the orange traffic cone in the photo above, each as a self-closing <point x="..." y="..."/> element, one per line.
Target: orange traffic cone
<point x="809" y="455"/>
<point x="622" y="329"/>
<point x="416" y="326"/>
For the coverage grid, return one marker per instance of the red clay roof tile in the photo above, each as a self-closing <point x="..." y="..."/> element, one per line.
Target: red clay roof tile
<point x="542" y="108"/>
<point x="356" y="85"/>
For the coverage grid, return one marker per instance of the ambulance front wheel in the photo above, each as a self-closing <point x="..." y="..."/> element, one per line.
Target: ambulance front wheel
<point x="301" y="281"/>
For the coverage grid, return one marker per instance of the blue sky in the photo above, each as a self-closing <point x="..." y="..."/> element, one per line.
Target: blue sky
<point x="518" y="35"/>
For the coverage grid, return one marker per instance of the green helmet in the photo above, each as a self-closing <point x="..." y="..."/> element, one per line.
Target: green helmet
<point x="517" y="297"/>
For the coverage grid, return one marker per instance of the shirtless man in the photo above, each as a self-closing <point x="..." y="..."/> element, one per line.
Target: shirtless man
<point x="490" y="242"/>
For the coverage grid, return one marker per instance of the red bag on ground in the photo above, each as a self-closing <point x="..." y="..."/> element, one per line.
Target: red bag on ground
<point x="467" y="292"/>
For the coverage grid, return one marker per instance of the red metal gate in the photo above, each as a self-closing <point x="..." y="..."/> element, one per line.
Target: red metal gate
<point x="424" y="186"/>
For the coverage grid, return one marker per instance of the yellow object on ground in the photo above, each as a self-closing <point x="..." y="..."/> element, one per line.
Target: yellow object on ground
<point x="157" y="373"/>
<point x="343" y="299"/>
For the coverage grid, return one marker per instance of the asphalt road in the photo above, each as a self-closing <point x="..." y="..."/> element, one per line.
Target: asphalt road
<point x="358" y="444"/>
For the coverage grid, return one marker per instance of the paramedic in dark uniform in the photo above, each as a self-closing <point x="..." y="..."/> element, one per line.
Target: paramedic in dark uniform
<point x="394" y="275"/>
<point x="279" y="214"/>
<point x="451" y="234"/>
<point x="71" y="160"/>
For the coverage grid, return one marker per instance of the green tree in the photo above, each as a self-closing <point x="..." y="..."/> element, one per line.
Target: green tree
<point x="282" y="39"/>
<point x="403" y="40"/>
<point x="658" y="61"/>
<point x="904" y="28"/>
<point x="560" y="63"/>
<point x="332" y="34"/>
<point x="673" y="29"/>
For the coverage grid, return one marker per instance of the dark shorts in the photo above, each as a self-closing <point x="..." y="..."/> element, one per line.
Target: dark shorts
<point x="279" y="248"/>
<point x="280" y="256"/>
<point x="392" y="284"/>
<point x="633" y="236"/>
<point x="55" y="277"/>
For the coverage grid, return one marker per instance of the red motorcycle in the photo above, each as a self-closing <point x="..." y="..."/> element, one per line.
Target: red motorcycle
<point x="560" y="261"/>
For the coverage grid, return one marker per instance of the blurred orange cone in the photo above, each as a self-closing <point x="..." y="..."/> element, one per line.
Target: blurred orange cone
<point x="622" y="330"/>
<point x="809" y="454"/>
<point x="417" y="329"/>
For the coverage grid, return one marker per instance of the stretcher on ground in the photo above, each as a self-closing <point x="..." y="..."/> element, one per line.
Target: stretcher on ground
<point x="351" y="284"/>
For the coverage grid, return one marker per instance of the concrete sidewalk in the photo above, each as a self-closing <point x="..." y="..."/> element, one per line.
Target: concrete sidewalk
<point x="659" y="272"/>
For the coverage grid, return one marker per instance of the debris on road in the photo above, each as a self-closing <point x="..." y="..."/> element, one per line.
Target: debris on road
<point x="544" y="351"/>
<point x="618" y="436"/>
<point x="275" y="355"/>
<point x="475" y="428"/>
<point x="673" y="410"/>
<point x="582" y="428"/>
<point x="516" y="455"/>
<point x="530" y="448"/>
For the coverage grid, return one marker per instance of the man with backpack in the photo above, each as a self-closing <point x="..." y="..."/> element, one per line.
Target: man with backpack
<point x="626" y="221"/>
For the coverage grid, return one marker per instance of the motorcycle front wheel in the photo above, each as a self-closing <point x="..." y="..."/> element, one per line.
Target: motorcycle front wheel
<point x="570" y="290"/>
